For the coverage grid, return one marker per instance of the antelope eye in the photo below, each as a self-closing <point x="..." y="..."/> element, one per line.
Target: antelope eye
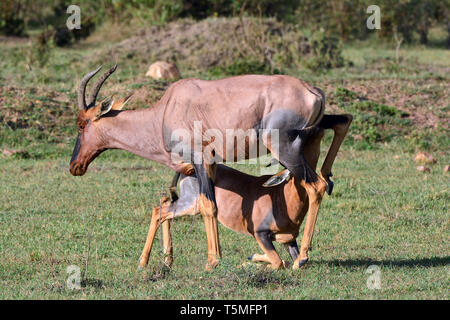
<point x="82" y="125"/>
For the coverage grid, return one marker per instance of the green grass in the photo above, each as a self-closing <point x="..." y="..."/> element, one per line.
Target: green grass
<point x="382" y="212"/>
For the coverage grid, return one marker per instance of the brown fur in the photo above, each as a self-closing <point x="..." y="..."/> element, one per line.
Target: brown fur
<point x="245" y="206"/>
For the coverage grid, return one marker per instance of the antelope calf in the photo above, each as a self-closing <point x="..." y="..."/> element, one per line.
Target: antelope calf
<point x="246" y="206"/>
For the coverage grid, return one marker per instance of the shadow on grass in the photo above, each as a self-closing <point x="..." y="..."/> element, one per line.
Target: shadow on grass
<point x="260" y="278"/>
<point x="158" y="273"/>
<point x="95" y="283"/>
<point x="408" y="263"/>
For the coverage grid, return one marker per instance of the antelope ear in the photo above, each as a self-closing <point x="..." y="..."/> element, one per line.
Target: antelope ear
<point x="278" y="178"/>
<point x="119" y="104"/>
<point x="104" y="107"/>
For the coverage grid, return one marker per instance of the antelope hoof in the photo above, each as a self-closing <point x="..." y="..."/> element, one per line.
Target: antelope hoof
<point x="300" y="264"/>
<point x="142" y="263"/>
<point x="330" y="186"/>
<point x="211" y="264"/>
<point x="282" y="265"/>
<point x="168" y="261"/>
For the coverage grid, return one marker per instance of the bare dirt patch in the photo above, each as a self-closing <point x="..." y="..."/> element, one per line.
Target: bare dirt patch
<point x="425" y="100"/>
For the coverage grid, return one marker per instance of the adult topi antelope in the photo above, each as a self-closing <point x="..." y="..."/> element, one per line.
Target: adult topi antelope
<point x="277" y="103"/>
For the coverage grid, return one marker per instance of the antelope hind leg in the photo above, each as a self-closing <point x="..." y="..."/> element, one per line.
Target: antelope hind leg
<point x="213" y="240"/>
<point x="259" y="258"/>
<point x="292" y="142"/>
<point x="256" y="257"/>
<point x="340" y="125"/>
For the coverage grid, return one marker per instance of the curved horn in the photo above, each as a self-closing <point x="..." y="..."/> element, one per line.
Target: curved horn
<point x="82" y="88"/>
<point x="96" y="88"/>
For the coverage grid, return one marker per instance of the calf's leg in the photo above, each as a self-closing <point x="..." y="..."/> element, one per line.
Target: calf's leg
<point x="159" y="215"/>
<point x="259" y="258"/>
<point x="292" y="249"/>
<point x="167" y="243"/>
<point x="265" y="242"/>
<point x="315" y="193"/>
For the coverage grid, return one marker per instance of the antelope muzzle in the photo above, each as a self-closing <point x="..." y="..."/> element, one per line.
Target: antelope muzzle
<point x="76" y="168"/>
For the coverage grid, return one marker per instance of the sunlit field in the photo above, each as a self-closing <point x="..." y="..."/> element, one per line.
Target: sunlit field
<point x="383" y="215"/>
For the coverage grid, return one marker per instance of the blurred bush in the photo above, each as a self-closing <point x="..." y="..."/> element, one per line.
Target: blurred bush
<point x="232" y="46"/>
<point x="242" y="66"/>
<point x="64" y="37"/>
<point x="11" y="22"/>
<point x="326" y="52"/>
<point x="345" y="18"/>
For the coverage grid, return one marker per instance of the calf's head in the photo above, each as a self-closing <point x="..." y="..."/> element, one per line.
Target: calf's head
<point x="91" y="139"/>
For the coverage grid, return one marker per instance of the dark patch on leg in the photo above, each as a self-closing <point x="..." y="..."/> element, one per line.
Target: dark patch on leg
<point x="292" y="137"/>
<point x="292" y="248"/>
<point x="292" y="155"/>
<point x="205" y="182"/>
<point x="266" y="223"/>
<point x="266" y="239"/>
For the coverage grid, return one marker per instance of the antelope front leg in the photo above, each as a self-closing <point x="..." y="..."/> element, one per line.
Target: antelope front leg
<point x="158" y="215"/>
<point x="315" y="191"/>
<point x="154" y="224"/>
<point x="167" y="243"/>
<point x="209" y="213"/>
<point x="207" y="206"/>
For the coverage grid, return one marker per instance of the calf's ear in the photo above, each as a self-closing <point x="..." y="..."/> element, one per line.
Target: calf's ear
<point x="278" y="178"/>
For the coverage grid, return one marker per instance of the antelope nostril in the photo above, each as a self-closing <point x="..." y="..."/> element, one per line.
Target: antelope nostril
<point x="77" y="169"/>
<point x="74" y="168"/>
